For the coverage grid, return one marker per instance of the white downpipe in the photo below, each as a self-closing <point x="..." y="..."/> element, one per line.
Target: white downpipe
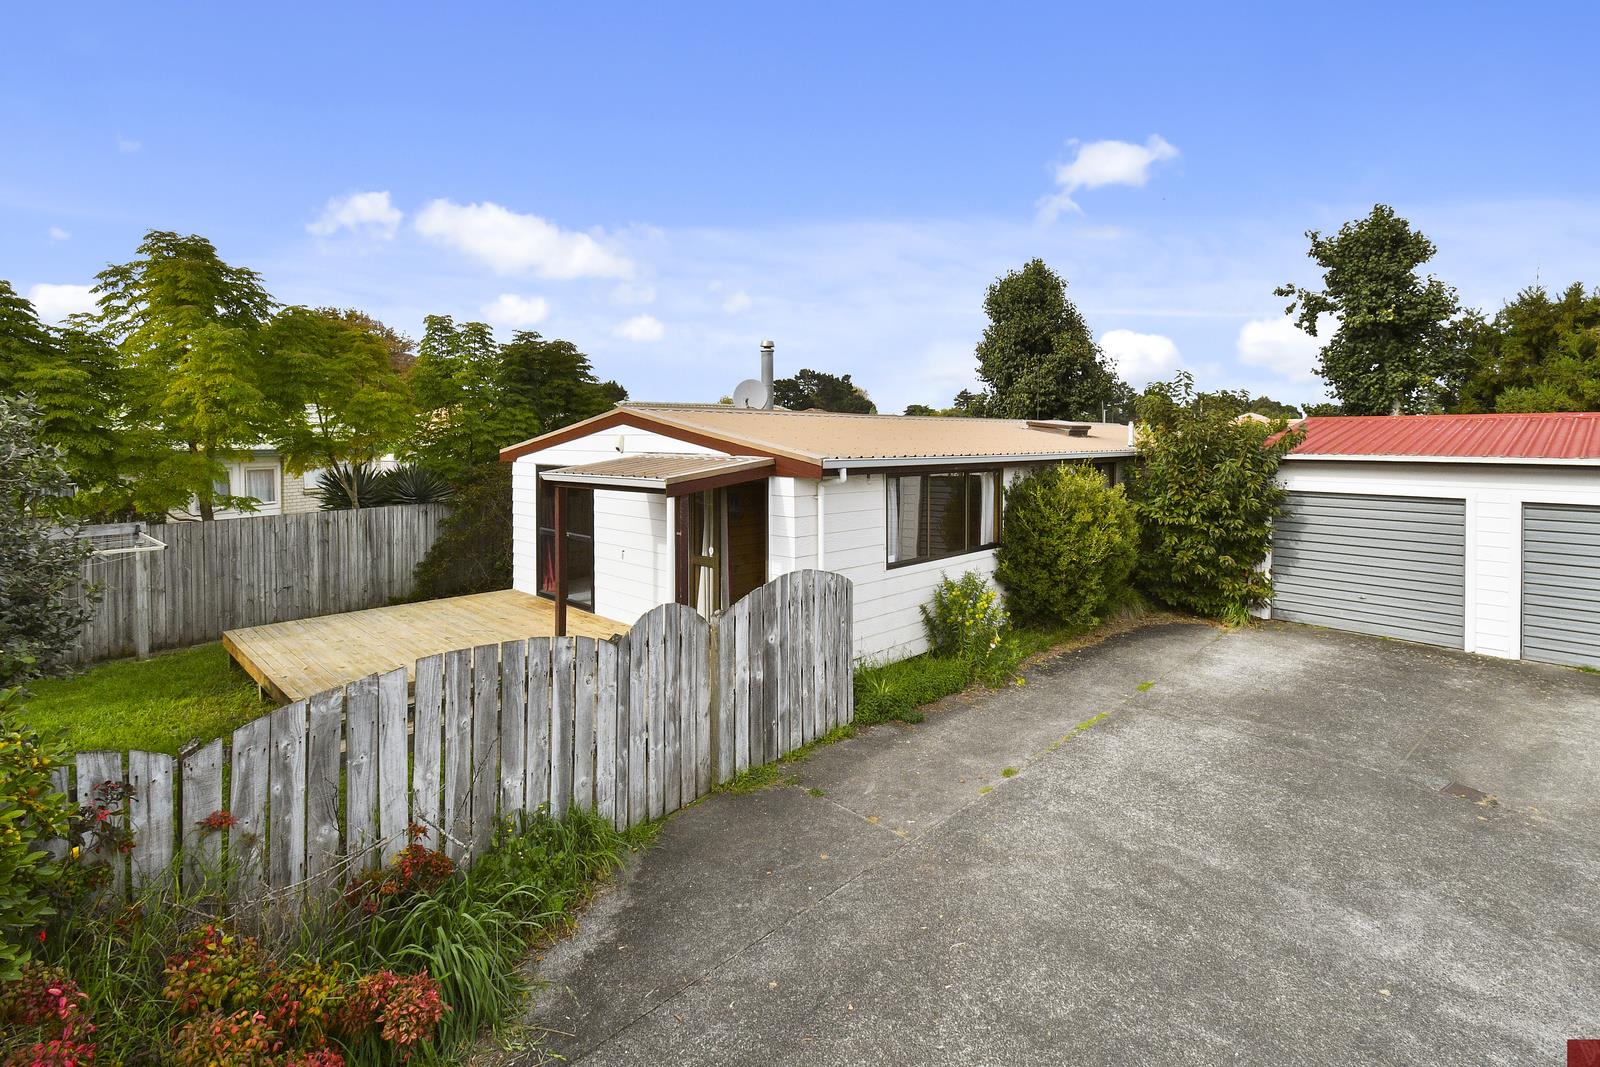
<point x="822" y="497"/>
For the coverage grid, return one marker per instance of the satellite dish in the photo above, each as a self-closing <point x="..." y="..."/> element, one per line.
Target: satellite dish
<point x="752" y="393"/>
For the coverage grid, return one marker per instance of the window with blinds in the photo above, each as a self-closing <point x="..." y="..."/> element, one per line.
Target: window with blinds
<point x="936" y="516"/>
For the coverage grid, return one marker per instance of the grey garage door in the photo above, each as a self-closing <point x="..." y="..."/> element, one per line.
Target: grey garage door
<point x="1387" y="565"/>
<point x="1561" y="584"/>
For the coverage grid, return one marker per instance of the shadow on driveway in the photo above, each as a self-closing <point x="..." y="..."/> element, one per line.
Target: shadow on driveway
<point x="1295" y="846"/>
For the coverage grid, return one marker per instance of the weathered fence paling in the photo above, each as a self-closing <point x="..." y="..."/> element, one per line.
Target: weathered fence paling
<point x="216" y="576"/>
<point x="633" y="728"/>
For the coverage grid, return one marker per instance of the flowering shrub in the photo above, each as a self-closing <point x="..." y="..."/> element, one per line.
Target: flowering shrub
<point x="417" y="869"/>
<point x="43" y="1020"/>
<point x="248" y="1011"/>
<point x="966" y="623"/>
<point x="219" y="972"/>
<point x="407" y="1010"/>
<point x="241" y="1039"/>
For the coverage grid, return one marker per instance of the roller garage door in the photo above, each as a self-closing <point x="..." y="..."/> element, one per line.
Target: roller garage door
<point x="1387" y="565"/>
<point x="1561" y="584"/>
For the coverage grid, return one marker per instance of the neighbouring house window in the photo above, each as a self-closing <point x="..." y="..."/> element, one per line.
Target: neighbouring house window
<point x="262" y="484"/>
<point x="935" y="516"/>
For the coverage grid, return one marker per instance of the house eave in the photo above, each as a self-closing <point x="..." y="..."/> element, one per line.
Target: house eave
<point x="1006" y="460"/>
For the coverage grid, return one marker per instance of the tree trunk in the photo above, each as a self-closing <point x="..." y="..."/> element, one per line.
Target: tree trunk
<point x="1394" y="406"/>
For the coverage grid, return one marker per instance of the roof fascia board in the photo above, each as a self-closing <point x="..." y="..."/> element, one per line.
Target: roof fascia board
<point x="1008" y="459"/>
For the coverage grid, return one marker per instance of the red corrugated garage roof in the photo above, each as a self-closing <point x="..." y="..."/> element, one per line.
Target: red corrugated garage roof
<point x="1551" y="436"/>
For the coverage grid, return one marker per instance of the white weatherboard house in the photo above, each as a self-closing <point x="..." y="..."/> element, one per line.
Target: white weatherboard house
<point x="1477" y="532"/>
<point x="701" y="504"/>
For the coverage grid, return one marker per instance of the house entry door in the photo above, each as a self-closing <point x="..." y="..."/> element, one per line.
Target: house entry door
<point x="727" y="544"/>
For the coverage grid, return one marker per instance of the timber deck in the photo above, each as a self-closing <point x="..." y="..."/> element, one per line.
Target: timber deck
<point x="295" y="660"/>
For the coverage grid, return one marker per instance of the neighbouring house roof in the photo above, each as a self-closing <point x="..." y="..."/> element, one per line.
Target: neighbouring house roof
<point x="805" y="443"/>
<point x="669" y="473"/>
<point x="1552" y="438"/>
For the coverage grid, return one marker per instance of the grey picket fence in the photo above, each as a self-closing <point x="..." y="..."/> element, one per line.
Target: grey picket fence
<point x="633" y="728"/>
<point x="216" y="576"/>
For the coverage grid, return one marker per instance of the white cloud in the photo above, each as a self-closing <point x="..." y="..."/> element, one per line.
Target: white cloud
<point x="736" y="302"/>
<point x="628" y="293"/>
<point x="369" y="214"/>
<point x="509" y="309"/>
<point x="127" y="145"/>
<point x="1101" y="163"/>
<point x="641" y="329"/>
<point x="1278" y="345"/>
<point x="511" y="243"/>
<point x="55" y="302"/>
<point x="1141" y="358"/>
<point x="58" y="234"/>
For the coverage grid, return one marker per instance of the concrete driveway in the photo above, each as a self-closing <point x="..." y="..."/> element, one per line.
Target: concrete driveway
<point x="1281" y="845"/>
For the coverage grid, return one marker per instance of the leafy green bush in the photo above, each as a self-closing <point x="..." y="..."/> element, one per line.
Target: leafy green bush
<point x="31" y="811"/>
<point x="39" y="890"/>
<point x="966" y="622"/>
<point x="1204" y="494"/>
<point x="473" y="551"/>
<point x="1069" y="546"/>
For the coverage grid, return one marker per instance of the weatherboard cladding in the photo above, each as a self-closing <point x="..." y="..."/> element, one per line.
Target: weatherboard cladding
<point x="1548" y="437"/>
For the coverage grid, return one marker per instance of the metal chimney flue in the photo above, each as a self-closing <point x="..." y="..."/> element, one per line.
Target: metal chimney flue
<point x="767" y="348"/>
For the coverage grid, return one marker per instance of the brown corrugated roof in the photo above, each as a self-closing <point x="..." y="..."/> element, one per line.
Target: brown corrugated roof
<point x="819" y="438"/>
<point x="658" y="469"/>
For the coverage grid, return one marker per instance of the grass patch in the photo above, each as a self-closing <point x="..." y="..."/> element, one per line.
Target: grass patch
<point x="758" y="778"/>
<point x="158" y="704"/>
<point x="892" y="692"/>
<point x="1144" y="687"/>
<point x="1009" y="772"/>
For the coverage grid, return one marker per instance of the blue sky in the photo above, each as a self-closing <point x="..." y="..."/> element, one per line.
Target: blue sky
<point x="667" y="185"/>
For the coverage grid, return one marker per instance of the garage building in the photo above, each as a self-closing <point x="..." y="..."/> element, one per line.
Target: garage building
<point x="1478" y="532"/>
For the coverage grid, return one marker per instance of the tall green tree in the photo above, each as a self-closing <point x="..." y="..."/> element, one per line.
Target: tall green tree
<point x="73" y="378"/>
<point x="545" y="384"/>
<point x="455" y="384"/>
<point x="1396" y="348"/>
<point x="815" y="389"/>
<point x="1539" y="353"/>
<point x="190" y="328"/>
<point x="1038" y="356"/>
<point x="342" y="404"/>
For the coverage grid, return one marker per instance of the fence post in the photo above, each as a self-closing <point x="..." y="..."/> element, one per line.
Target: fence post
<point x="141" y="605"/>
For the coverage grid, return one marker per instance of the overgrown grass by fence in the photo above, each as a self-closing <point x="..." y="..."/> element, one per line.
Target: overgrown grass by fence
<point x="216" y="576"/>
<point x="631" y="728"/>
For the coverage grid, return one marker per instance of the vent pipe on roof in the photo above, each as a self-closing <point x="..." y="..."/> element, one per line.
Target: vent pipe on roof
<point x="767" y="348"/>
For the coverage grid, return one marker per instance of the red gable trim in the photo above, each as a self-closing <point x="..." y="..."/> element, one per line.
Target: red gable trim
<point x="785" y="466"/>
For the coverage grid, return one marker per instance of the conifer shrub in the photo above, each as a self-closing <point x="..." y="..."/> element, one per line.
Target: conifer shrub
<point x="1068" y="547"/>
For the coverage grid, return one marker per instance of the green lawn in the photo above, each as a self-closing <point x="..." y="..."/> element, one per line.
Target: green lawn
<point x="158" y="704"/>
